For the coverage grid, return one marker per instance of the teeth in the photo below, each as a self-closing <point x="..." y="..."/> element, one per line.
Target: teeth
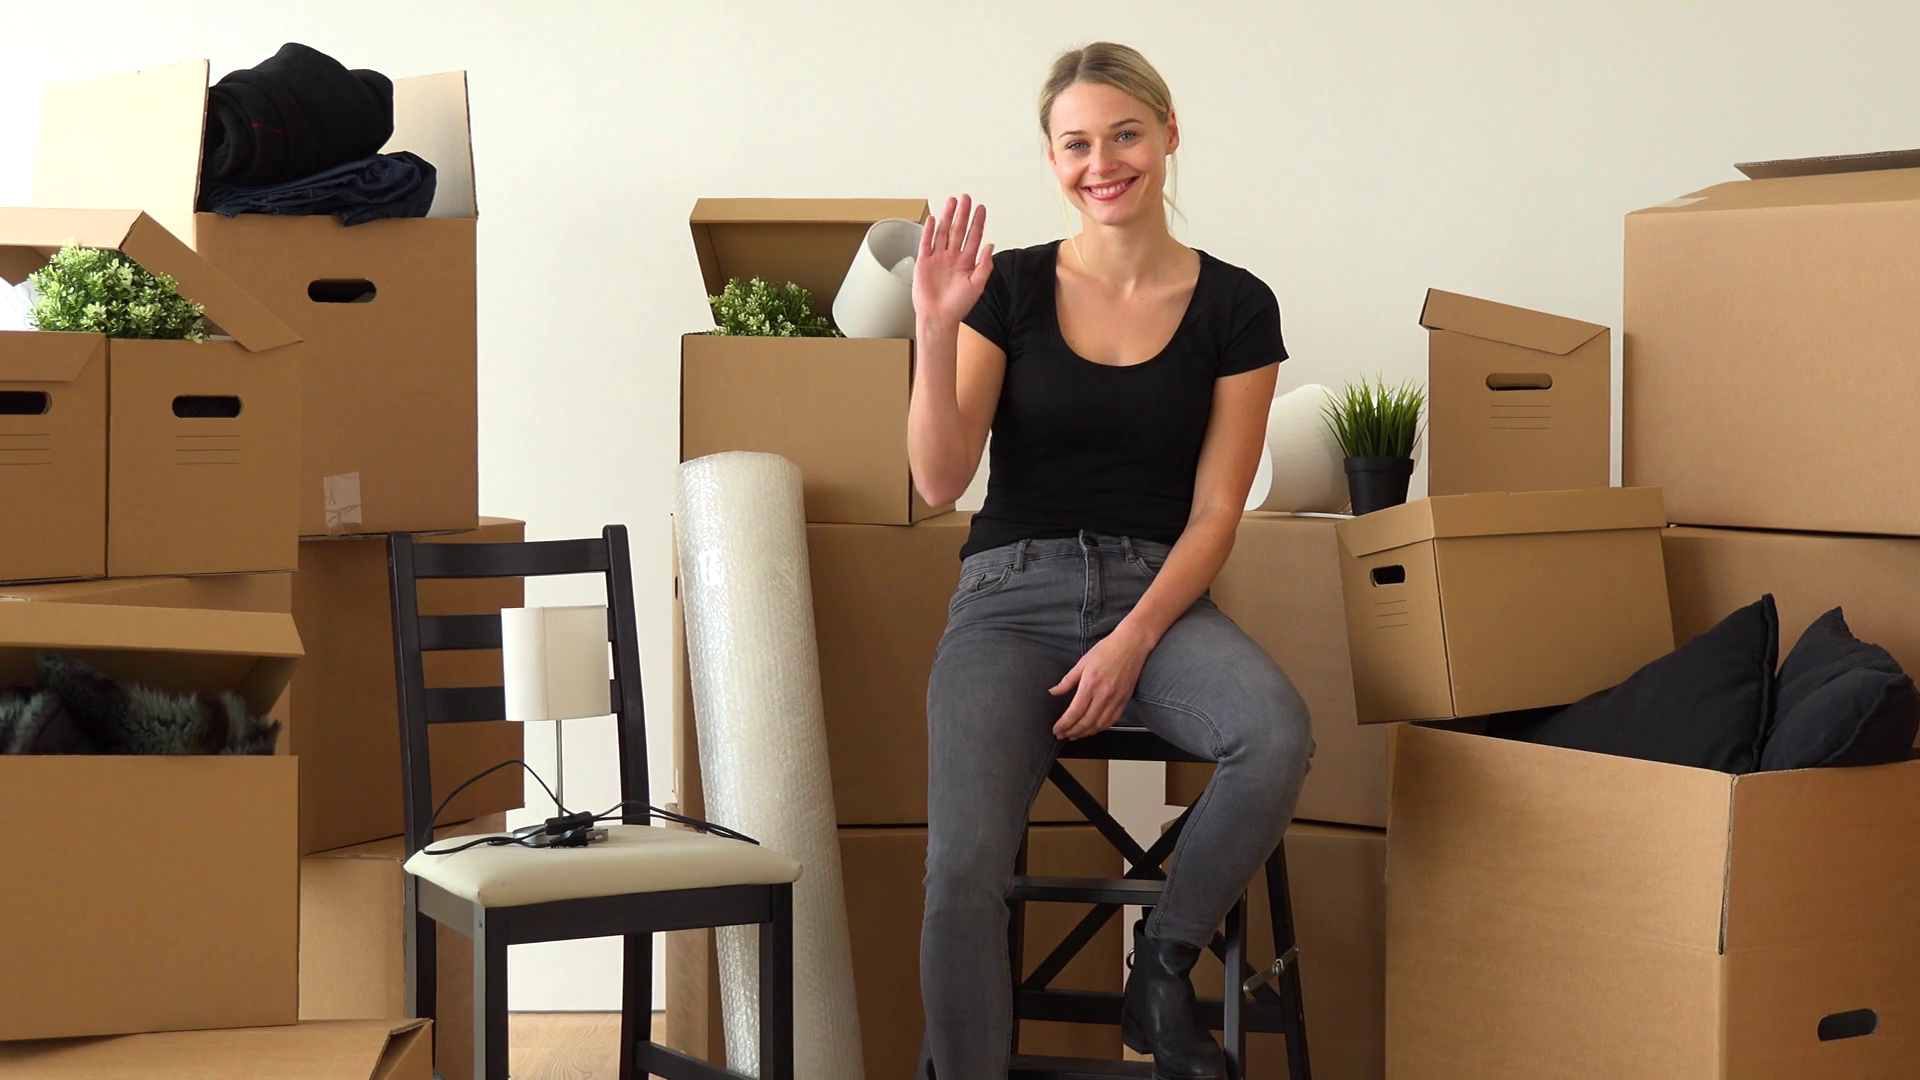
<point x="1108" y="189"/>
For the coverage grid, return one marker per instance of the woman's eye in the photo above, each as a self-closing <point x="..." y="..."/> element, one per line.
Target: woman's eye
<point x="1127" y="135"/>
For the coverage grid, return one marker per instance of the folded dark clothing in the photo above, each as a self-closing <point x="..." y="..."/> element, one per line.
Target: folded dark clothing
<point x="295" y="114"/>
<point x="383" y="186"/>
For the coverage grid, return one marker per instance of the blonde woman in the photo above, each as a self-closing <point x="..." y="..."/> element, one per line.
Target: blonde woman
<point x="1125" y="378"/>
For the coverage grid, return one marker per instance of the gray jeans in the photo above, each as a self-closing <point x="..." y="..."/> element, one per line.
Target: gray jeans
<point x="1022" y="616"/>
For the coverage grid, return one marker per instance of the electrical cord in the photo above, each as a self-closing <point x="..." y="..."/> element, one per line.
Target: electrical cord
<point x="568" y="828"/>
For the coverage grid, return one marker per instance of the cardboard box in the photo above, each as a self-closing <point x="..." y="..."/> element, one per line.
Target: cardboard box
<point x="353" y="931"/>
<point x="271" y="593"/>
<point x="1338" y="877"/>
<point x="836" y="407"/>
<point x="1463" y="605"/>
<point x="387" y="308"/>
<point x="1282" y="586"/>
<point x="882" y="868"/>
<point x="347" y="731"/>
<point x="1768" y="360"/>
<point x="168" y="492"/>
<point x="1518" y="400"/>
<point x="880" y="596"/>
<point x="172" y="902"/>
<point x="330" y="1050"/>
<point x="1558" y="914"/>
<point x="1875" y="580"/>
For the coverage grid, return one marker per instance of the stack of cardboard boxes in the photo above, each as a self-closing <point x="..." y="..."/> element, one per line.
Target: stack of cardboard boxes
<point x="884" y="565"/>
<point x="235" y="893"/>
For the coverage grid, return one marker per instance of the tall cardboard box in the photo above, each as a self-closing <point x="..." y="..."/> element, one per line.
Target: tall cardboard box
<point x="880" y="596"/>
<point x="188" y="471"/>
<point x="1518" y="400"/>
<point x="346" y="727"/>
<point x="1463" y="605"/>
<point x="1338" y="879"/>
<point x="1282" y="586"/>
<point x="353" y="932"/>
<point x="882" y="869"/>
<point x="328" y="1050"/>
<point x="387" y="308"/>
<point x="1554" y="914"/>
<point x="171" y="901"/>
<point x="1768" y="369"/>
<point x="836" y="407"/>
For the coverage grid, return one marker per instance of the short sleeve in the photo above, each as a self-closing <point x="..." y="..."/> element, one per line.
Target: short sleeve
<point x="991" y="316"/>
<point x="1253" y="337"/>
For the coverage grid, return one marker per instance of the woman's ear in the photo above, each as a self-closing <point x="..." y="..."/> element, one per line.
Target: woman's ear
<point x="1173" y="131"/>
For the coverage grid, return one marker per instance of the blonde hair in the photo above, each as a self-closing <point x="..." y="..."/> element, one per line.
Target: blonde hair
<point x="1106" y="63"/>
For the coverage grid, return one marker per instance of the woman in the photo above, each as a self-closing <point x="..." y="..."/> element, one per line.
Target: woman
<point x="1126" y="379"/>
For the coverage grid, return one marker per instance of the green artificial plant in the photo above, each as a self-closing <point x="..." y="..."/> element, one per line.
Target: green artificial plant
<point x="98" y="291"/>
<point x="1372" y="420"/>
<point x="760" y="308"/>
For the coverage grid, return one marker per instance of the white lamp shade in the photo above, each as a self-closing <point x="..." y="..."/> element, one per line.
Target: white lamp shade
<point x="876" y="297"/>
<point x="1301" y="468"/>
<point x="556" y="662"/>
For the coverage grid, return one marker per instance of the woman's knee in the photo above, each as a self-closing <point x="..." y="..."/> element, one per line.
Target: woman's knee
<point x="968" y="870"/>
<point x="1272" y="730"/>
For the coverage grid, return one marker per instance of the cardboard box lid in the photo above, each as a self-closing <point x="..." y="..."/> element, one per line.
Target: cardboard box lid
<point x="173" y="649"/>
<point x="158" y="119"/>
<point x="1828" y="164"/>
<point x="1802" y="183"/>
<point x="313" y="1050"/>
<point x="33" y="356"/>
<point x="1504" y="323"/>
<point x="809" y="242"/>
<point x="32" y="236"/>
<point x="1504" y="513"/>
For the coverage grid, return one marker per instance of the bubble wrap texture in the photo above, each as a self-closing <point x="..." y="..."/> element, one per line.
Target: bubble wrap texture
<point x="748" y="595"/>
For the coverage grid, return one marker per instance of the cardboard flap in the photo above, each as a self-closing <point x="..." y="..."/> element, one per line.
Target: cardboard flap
<point x="44" y="232"/>
<point x="1829" y="164"/>
<point x="1504" y="513"/>
<point x="1788" y="191"/>
<point x="1823" y="855"/>
<point x="125" y="142"/>
<point x="30" y="356"/>
<point x="313" y="1050"/>
<point x="809" y="242"/>
<point x="431" y="118"/>
<point x="179" y="650"/>
<point x="1505" y="323"/>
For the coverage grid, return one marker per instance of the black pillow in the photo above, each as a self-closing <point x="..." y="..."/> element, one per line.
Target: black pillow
<point x="1704" y="705"/>
<point x="1842" y="701"/>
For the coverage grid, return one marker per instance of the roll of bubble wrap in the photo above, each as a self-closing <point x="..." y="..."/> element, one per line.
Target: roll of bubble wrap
<point x="748" y="597"/>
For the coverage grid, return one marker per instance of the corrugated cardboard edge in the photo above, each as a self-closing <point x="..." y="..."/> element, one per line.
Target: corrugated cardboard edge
<point x="1504" y="513"/>
<point x="1507" y="324"/>
<point x="1828" y="164"/>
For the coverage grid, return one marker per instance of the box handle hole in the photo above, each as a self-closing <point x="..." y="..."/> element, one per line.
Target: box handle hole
<point x="1510" y="381"/>
<point x="1849" y="1025"/>
<point x="206" y="406"/>
<point x="342" y="292"/>
<point x="25" y="403"/>
<point x="1389" y="575"/>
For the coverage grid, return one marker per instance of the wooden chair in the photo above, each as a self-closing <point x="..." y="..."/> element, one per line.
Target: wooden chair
<point x="640" y="880"/>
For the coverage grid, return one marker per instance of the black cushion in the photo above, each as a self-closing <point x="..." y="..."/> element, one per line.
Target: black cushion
<point x="1842" y="701"/>
<point x="1706" y="704"/>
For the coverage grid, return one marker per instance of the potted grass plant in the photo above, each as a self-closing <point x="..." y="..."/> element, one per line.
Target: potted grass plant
<point x="1377" y="427"/>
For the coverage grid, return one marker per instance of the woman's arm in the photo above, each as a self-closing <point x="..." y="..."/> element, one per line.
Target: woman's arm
<point x="957" y="372"/>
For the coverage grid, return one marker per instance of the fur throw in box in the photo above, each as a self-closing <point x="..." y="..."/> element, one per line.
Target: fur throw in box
<point x="75" y="709"/>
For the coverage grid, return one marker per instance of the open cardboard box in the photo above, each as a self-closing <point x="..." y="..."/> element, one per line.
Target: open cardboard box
<point x="136" y="488"/>
<point x="1557" y="914"/>
<point x="1464" y="605"/>
<point x="1518" y="400"/>
<point x="322" y="1050"/>
<point x="836" y="407"/>
<point x="387" y="308"/>
<point x="149" y="893"/>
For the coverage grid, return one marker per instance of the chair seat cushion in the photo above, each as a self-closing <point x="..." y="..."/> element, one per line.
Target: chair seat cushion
<point x="632" y="859"/>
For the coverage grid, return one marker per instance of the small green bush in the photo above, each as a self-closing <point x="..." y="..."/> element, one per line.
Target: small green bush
<point x="95" y="291"/>
<point x="760" y="308"/>
<point x="1371" y="419"/>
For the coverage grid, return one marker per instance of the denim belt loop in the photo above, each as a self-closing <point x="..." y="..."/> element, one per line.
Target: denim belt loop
<point x="1020" y="556"/>
<point x="1127" y="549"/>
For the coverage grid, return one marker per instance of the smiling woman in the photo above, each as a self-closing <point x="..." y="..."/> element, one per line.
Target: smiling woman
<point x="1125" y="379"/>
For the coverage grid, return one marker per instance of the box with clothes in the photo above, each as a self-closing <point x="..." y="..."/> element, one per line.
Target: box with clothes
<point x="345" y="200"/>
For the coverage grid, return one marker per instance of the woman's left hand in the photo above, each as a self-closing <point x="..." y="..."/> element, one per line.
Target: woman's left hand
<point x="1101" y="683"/>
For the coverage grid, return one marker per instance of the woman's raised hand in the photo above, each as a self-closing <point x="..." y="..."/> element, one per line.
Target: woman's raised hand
<point x="952" y="267"/>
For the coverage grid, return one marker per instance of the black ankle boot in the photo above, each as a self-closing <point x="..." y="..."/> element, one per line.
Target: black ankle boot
<point x="1158" y="1016"/>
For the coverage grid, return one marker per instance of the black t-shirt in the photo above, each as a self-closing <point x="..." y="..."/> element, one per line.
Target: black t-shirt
<point x="1109" y="449"/>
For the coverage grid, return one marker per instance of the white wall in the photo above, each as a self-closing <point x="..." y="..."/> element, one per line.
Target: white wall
<point x="1353" y="154"/>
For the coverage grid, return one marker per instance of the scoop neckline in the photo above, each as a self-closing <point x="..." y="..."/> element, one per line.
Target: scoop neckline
<point x="1060" y="336"/>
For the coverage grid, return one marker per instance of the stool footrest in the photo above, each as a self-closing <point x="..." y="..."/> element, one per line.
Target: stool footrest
<point x="1074" y="890"/>
<point x="1036" y="1067"/>
<point x="1103" y="1007"/>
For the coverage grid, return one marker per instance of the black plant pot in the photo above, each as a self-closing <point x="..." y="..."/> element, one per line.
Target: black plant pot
<point x="1375" y="483"/>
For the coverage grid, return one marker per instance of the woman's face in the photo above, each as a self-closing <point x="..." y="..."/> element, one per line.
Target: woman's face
<point x="1109" y="153"/>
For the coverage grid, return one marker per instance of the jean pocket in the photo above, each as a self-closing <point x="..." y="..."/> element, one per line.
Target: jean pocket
<point x="979" y="583"/>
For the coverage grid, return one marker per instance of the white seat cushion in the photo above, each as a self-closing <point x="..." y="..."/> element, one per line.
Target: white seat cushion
<point x="632" y="859"/>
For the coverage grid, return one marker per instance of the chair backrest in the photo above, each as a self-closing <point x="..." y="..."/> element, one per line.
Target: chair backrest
<point x="414" y="635"/>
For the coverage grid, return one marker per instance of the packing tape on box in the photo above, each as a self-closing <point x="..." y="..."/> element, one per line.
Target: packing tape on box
<point x="1305" y="470"/>
<point x="747" y="593"/>
<point x="556" y="664"/>
<point x="876" y="296"/>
